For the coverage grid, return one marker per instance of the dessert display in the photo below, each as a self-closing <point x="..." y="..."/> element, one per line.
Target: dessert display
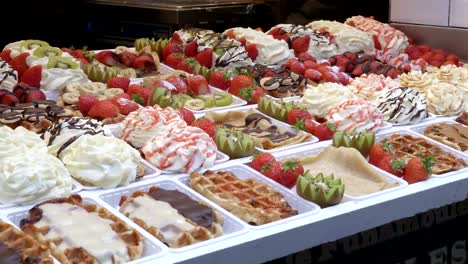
<point x="321" y="99"/>
<point x="453" y="135"/>
<point x="8" y="76"/>
<point x="173" y="217"/>
<point x="373" y="86"/>
<point x="385" y="37"/>
<point x="356" y="115"/>
<point x="251" y="201"/>
<point x="362" y="141"/>
<point x="36" y="116"/>
<point x="27" y="172"/>
<point x="266" y="134"/>
<point x="351" y="167"/>
<point x="79" y="232"/>
<point x="17" y="247"/>
<point x="463" y="118"/>
<point x="262" y="48"/>
<point x="407" y="147"/>
<point x="303" y="39"/>
<point x="181" y="150"/>
<point x="403" y="106"/>
<point x="345" y="37"/>
<point x="234" y="143"/>
<point x="322" y="190"/>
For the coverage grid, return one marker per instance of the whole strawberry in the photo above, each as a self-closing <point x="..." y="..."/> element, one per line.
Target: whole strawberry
<point x="206" y="125"/>
<point x="33" y="76"/>
<point x="103" y="109"/>
<point x="119" y="82"/>
<point x="324" y="131"/>
<point x="273" y="170"/>
<point x="297" y="114"/>
<point x="260" y="160"/>
<point x="290" y="171"/>
<point x="418" y="169"/>
<point x="220" y="80"/>
<point x="251" y="94"/>
<point x="392" y="165"/>
<point x="240" y="82"/>
<point x="379" y="151"/>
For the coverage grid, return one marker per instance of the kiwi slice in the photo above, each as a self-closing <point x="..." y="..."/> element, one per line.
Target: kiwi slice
<point x="217" y="99"/>
<point x="98" y="74"/>
<point x="179" y="100"/>
<point x="33" y="43"/>
<point x="62" y="63"/>
<point x="195" y="104"/>
<point x="47" y="51"/>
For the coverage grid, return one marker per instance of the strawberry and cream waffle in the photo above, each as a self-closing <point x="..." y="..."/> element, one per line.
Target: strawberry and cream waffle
<point x="140" y="126"/>
<point x="181" y="150"/>
<point x="355" y="115"/>
<point x="347" y="38"/>
<point x="261" y="47"/>
<point x="384" y="36"/>
<point x="303" y="39"/>
<point x="371" y="87"/>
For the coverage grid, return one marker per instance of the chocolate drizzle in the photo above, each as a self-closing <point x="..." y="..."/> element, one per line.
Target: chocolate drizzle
<point x="87" y="125"/>
<point x="31" y="112"/>
<point x="395" y="103"/>
<point x="229" y="50"/>
<point x="197" y="212"/>
<point x="8" y="72"/>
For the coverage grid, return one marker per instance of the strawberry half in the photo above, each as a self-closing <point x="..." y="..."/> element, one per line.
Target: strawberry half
<point x="108" y="58"/>
<point x="33" y="76"/>
<point x="205" y="58"/>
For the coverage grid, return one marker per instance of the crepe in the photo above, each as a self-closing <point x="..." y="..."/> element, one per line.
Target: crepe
<point x="266" y="134"/>
<point x="348" y="164"/>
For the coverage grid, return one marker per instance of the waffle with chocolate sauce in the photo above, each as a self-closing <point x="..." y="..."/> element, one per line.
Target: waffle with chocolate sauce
<point x="252" y="201"/>
<point x="48" y="224"/>
<point x="203" y="222"/>
<point x="17" y="247"/>
<point x="36" y="116"/>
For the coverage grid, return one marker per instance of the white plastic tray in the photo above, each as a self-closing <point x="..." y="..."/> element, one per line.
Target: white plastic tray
<point x="77" y="187"/>
<point x="232" y="226"/>
<point x="445" y="148"/>
<point x="402" y="184"/>
<point x="151" y="248"/>
<point x="420" y="130"/>
<point x="303" y="207"/>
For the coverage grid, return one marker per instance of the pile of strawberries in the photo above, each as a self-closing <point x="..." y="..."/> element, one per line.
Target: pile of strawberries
<point x="298" y="44"/>
<point x="358" y="64"/>
<point x="415" y="170"/>
<point x="303" y="120"/>
<point x="434" y="57"/>
<point x="283" y="173"/>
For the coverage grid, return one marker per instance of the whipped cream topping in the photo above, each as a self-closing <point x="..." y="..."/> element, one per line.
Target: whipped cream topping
<point x="445" y="99"/>
<point x="416" y="80"/>
<point x="64" y="133"/>
<point x="71" y="226"/>
<point x="356" y="115"/>
<point x="31" y="177"/>
<point x="8" y="76"/>
<point x="320" y="99"/>
<point x="56" y="79"/>
<point x="140" y="126"/>
<point x="19" y="142"/>
<point x="371" y="87"/>
<point x="320" y="45"/>
<point x="270" y="50"/>
<point x="101" y="161"/>
<point x="182" y="150"/>
<point x="403" y="106"/>
<point x="347" y="38"/>
<point x="385" y="36"/>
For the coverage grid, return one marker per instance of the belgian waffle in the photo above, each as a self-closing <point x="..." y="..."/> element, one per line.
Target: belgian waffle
<point x="65" y="254"/>
<point x="453" y="135"/>
<point x="253" y="202"/>
<point x="407" y="147"/>
<point x="184" y="238"/>
<point x="24" y="246"/>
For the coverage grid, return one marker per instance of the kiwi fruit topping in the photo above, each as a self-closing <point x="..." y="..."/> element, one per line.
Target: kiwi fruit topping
<point x="100" y="74"/>
<point x="62" y="63"/>
<point x="217" y="99"/>
<point x="47" y="51"/>
<point x="33" y="43"/>
<point x="320" y="189"/>
<point x="234" y="143"/>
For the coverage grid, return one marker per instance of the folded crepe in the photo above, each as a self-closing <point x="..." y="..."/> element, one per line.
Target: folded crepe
<point x="266" y="134"/>
<point x="353" y="169"/>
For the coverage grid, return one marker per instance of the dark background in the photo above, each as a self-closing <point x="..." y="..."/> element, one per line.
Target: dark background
<point x="65" y="23"/>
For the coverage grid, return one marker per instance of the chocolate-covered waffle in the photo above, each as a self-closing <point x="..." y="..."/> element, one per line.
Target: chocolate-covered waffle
<point x="78" y="232"/>
<point x="252" y="201"/>
<point x="172" y="216"/>
<point x="266" y="134"/>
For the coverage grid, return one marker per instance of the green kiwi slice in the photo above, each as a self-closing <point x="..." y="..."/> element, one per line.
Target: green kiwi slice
<point x="62" y="63"/>
<point x="47" y="51"/>
<point x="33" y="43"/>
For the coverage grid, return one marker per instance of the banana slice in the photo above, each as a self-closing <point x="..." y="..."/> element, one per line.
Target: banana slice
<point x="129" y="73"/>
<point x="73" y="87"/>
<point x="195" y="104"/>
<point x="111" y="92"/>
<point x="70" y="98"/>
<point x="101" y="87"/>
<point x="89" y="88"/>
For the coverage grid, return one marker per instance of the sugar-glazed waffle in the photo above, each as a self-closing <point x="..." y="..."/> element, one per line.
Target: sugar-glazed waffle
<point x="407" y="147"/>
<point x="173" y="217"/>
<point x="452" y="135"/>
<point x="19" y="246"/>
<point x="252" y="201"/>
<point x="76" y="232"/>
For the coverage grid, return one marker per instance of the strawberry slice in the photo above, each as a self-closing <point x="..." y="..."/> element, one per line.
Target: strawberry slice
<point x="19" y="63"/>
<point x="127" y="58"/>
<point x="5" y="55"/>
<point x="33" y="76"/>
<point x="108" y="58"/>
<point x="205" y="58"/>
<point x="197" y="85"/>
<point x="252" y="51"/>
<point x="103" y="109"/>
<point x="145" y="63"/>
<point x="192" y="49"/>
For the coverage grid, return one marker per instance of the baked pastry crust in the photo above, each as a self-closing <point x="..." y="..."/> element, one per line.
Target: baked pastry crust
<point x="131" y="237"/>
<point x="252" y="201"/>
<point x="452" y="135"/>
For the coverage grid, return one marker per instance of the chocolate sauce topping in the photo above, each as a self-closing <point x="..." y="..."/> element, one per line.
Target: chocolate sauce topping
<point x="31" y="112"/>
<point x="198" y="213"/>
<point x="9" y="255"/>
